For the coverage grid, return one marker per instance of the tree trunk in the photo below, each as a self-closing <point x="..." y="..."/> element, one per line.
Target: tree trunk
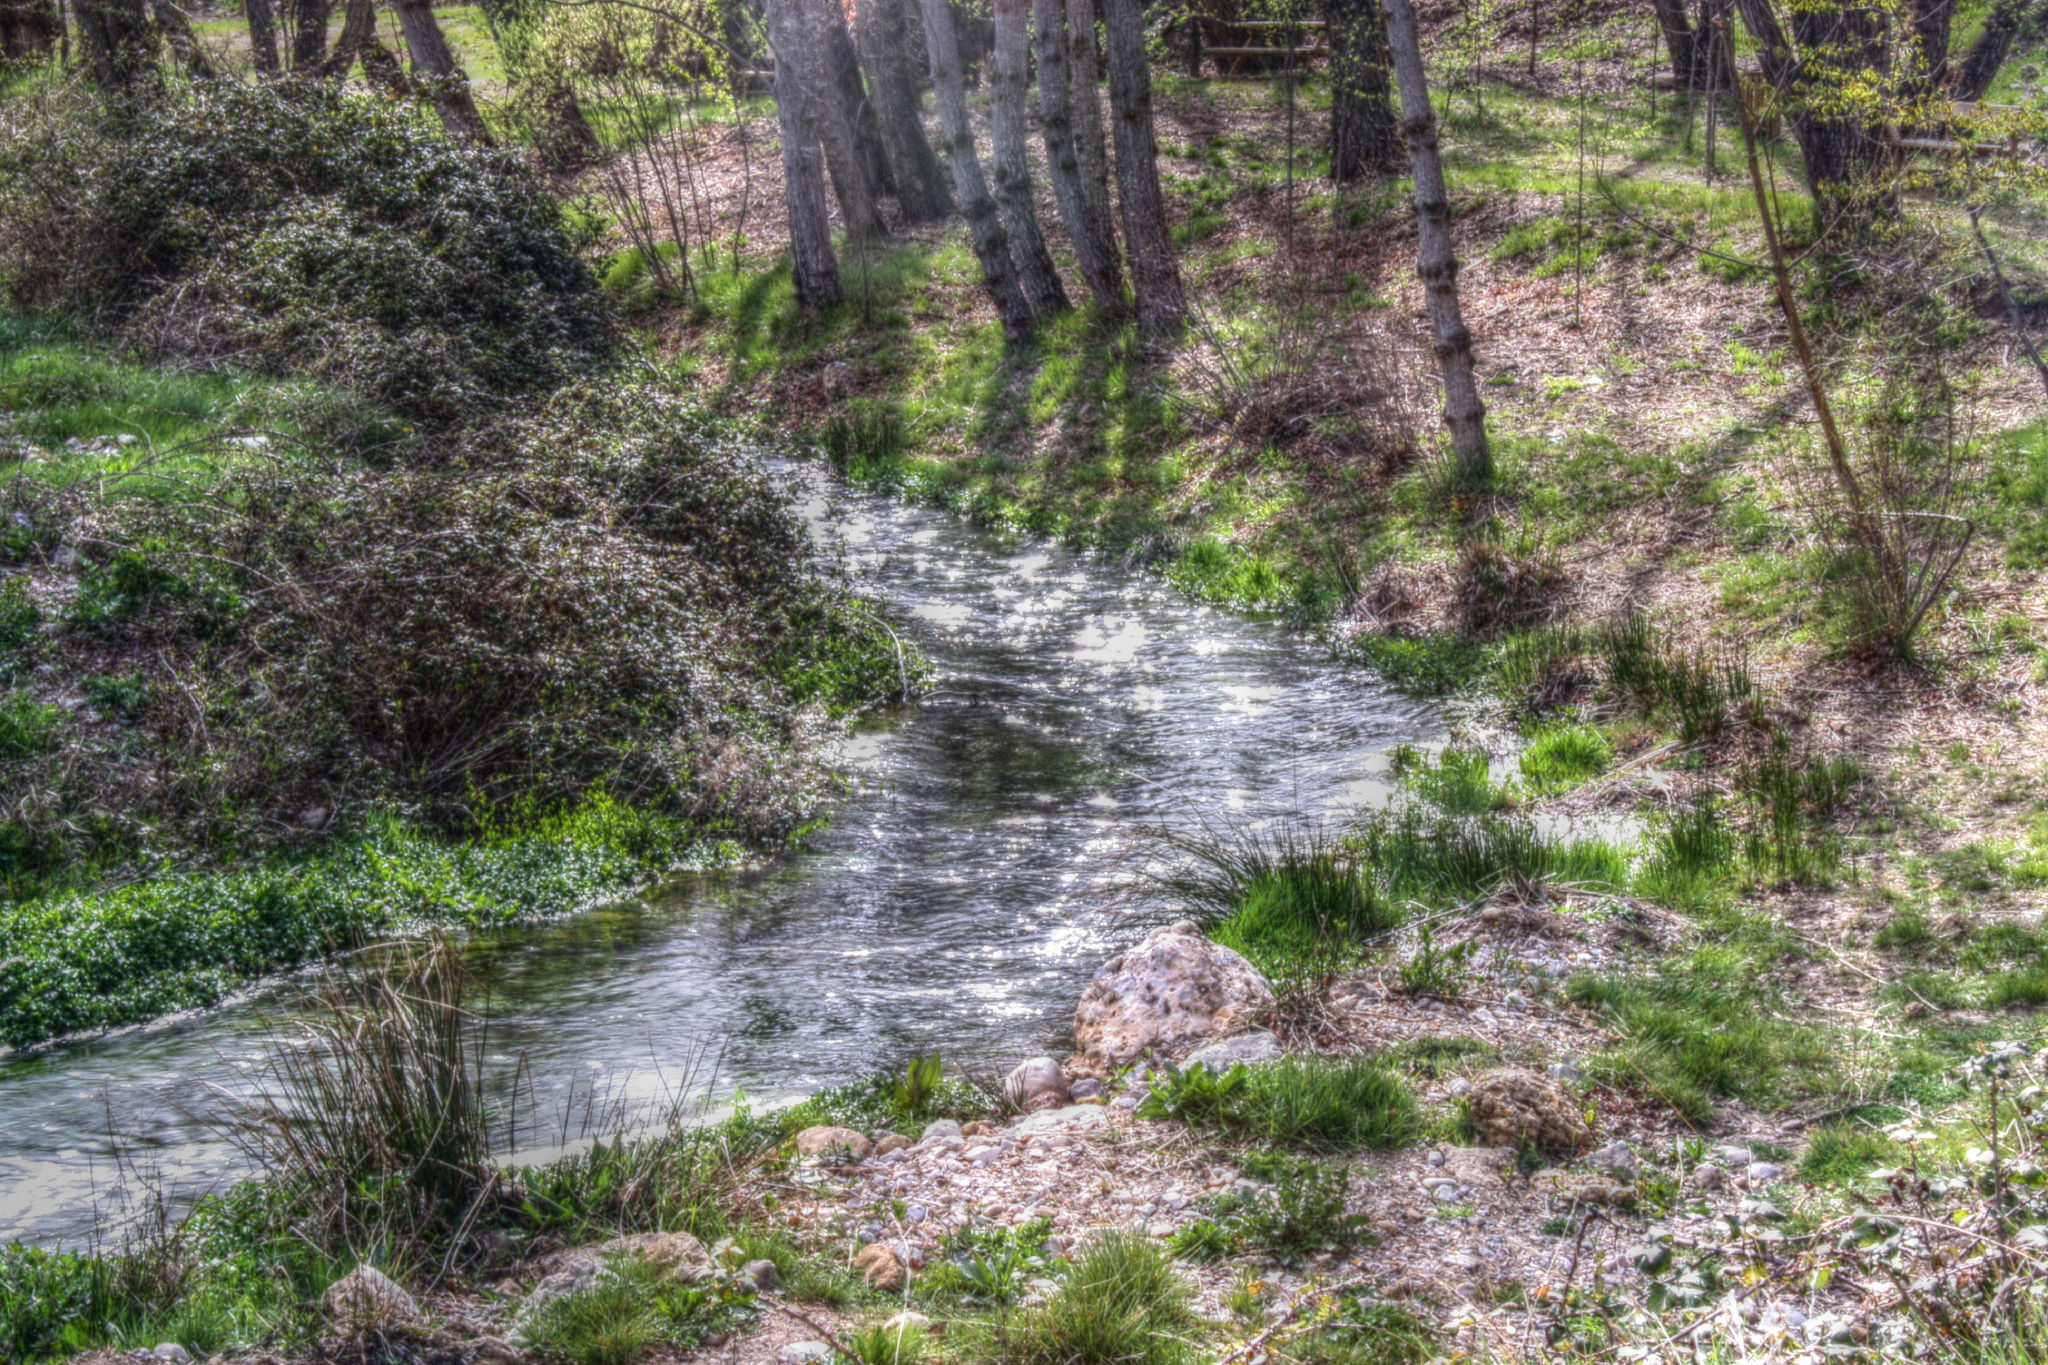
<point x="1931" y="20"/>
<point x="262" y="16"/>
<point x="1091" y="152"/>
<point x="176" y="28"/>
<point x="1980" y="64"/>
<point x="883" y="33"/>
<point x="309" y="35"/>
<point x="1435" y="262"/>
<point x="806" y="53"/>
<point x="813" y="267"/>
<point x="1679" y="40"/>
<point x="445" y="83"/>
<point x="1085" y="213"/>
<point x="28" y="28"/>
<point x="1836" y="45"/>
<point x="1155" y="276"/>
<point x="357" y="27"/>
<point x="1012" y="162"/>
<point x="854" y="97"/>
<point x="119" y="43"/>
<point x="1364" y="137"/>
<point x="970" y="190"/>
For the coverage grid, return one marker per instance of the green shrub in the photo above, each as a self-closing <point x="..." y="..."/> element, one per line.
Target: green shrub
<point x="51" y="1304"/>
<point x="20" y="625"/>
<point x="1296" y="1209"/>
<point x="631" y="1311"/>
<point x="1122" y="1304"/>
<point x="1841" y="1153"/>
<point x="1561" y="757"/>
<point x="1326" y="1104"/>
<point x="27" y="727"/>
<point x="304" y="231"/>
<point x="1368" y="1334"/>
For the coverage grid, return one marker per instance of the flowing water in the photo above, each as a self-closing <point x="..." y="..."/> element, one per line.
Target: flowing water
<point x="972" y="879"/>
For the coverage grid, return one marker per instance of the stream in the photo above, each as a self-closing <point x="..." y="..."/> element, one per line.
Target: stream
<point x="980" y="867"/>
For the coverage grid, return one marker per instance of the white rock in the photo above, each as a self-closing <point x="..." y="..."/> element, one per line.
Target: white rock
<point x="368" y="1300"/>
<point x="804" y="1353"/>
<point x="171" y="1353"/>
<point x="1074" y="1118"/>
<point x="938" y="1128"/>
<point x="1172" y="989"/>
<point x="1763" y="1172"/>
<point x="1248" y="1049"/>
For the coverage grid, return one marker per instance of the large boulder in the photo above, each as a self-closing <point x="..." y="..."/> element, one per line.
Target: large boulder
<point x="1173" y="989"/>
<point x="1513" y="1107"/>
<point x="368" y="1300"/>
<point x="1037" y="1083"/>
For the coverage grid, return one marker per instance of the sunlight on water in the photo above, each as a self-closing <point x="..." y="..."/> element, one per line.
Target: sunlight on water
<point x="979" y="870"/>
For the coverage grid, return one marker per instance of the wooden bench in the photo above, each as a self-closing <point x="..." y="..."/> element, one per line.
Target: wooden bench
<point x="1262" y="47"/>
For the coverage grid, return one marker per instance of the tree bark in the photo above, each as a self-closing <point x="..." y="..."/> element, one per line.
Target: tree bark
<point x="854" y="97"/>
<point x="1012" y="162"/>
<point x="309" y="35"/>
<point x="970" y="190"/>
<point x="28" y="28"/>
<point x="1435" y="262"/>
<point x="176" y="28"/>
<point x="262" y="17"/>
<point x="805" y="50"/>
<point x="1980" y="64"/>
<point x="1091" y="150"/>
<point x="358" y="26"/>
<point x="446" y="84"/>
<point x="119" y="43"/>
<point x="1835" y="44"/>
<point x="1084" y="209"/>
<point x="1155" y="276"/>
<point x="882" y="32"/>
<point x="1364" y="137"/>
<point x="1680" y="41"/>
<point x="1931" y="20"/>
<point x="813" y="267"/>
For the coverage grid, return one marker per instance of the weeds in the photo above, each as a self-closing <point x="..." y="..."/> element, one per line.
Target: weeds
<point x="1318" y="1103"/>
<point x="632" y="1310"/>
<point x="1122" y="1304"/>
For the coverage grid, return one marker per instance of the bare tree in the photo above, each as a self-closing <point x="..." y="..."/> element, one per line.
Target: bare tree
<point x="803" y="48"/>
<point x="1436" y="263"/>
<point x="1364" y="138"/>
<point x="814" y="269"/>
<point x="970" y="189"/>
<point x="883" y="33"/>
<point x="843" y="66"/>
<point x="435" y="69"/>
<point x="1155" y="275"/>
<point x="1084" y="208"/>
<point x="176" y="28"/>
<point x="1012" y="161"/>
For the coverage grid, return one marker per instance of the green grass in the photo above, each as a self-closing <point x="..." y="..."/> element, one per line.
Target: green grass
<point x="1326" y="1105"/>
<point x="630" y="1312"/>
<point x="86" y="961"/>
<point x="1843" y="1153"/>
<point x="1562" y="755"/>
<point x="1122" y="1304"/>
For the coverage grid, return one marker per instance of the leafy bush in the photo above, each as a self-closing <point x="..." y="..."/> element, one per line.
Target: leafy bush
<point x="1197" y="1094"/>
<point x="312" y="232"/>
<point x="50" y="1302"/>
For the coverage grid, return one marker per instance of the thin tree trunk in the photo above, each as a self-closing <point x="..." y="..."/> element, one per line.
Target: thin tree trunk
<point x="1680" y="40"/>
<point x="1155" y="276"/>
<point x="357" y="26"/>
<point x="1091" y="150"/>
<point x="1436" y="263"/>
<point x="970" y="190"/>
<point x="1364" y="135"/>
<point x="882" y="32"/>
<point x="445" y="82"/>
<point x="1012" y="162"/>
<point x="813" y="267"/>
<point x="1979" y="67"/>
<point x="262" y="16"/>
<point x="1086" y="214"/>
<point x="309" y="35"/>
